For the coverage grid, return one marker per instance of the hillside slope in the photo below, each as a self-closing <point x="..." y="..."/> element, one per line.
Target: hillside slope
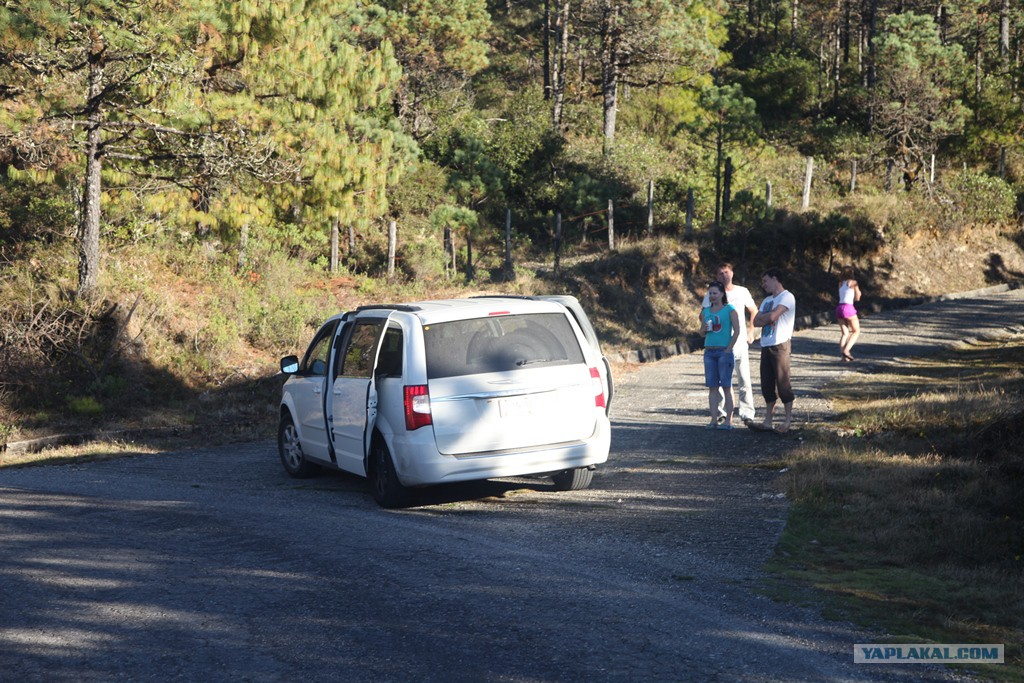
<point x="181" y="353"/>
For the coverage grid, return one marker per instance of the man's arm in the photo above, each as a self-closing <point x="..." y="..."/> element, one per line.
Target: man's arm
<point x="749" y="319"/>
<point x="766" y="318"/>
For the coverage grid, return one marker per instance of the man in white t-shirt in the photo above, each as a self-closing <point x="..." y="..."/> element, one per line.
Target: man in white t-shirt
<point x="739" y="297"/>
<point x="776" y="317"/>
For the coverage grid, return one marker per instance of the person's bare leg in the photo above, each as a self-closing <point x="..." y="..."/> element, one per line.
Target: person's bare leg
<point x="852" y="338"/>
<point x="730" y="404"/>
<point x="844" y="334"/>
<point x="769" y="412"/>
<point x="788" y="419"/>
<point x="713" y="394"/>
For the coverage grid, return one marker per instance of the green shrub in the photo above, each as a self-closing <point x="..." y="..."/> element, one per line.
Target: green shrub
<point x="85" y="405"/>
<point x="975" y="197"/>
<point x="422" y="257"/>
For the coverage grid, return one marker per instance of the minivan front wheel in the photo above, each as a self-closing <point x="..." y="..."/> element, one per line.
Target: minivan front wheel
<point x="387" y="490"/>
<point x="573" y="480"/>
<point x="290" y="450"/>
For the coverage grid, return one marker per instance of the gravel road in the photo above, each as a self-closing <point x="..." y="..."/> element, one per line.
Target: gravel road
<point x="211" y="564"/>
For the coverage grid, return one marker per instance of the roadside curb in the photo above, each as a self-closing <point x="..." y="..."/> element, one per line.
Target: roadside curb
<point x="55" y="440"/>
<point x="694" y="342"/>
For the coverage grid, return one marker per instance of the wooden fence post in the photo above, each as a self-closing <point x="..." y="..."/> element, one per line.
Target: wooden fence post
<point x="335" y="229"/>
<point x="767" y="198"/>
<point x="508" y="242"/>
<point x="650" y="208"/>
<point x="558" y="239"/>
<point x="689" y="213"/>
<point x="805" y="204"/>
<point x="611" y="225"/>
<point x="931" y="173"/>
<point x="449" y="251"/>
<point x="243" y="246"/>
<point x="853" y="175"/>
<point x="888" y="174"/>
<point x="727" y="188"/>
<point x="392" y="243"/>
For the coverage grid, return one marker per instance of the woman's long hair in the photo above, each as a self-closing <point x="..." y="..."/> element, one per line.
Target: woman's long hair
<point x="719" y="285"/>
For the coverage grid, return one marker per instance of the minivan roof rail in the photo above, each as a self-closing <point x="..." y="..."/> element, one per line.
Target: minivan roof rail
<point x="501" y="296"/>
<point x="407" y="308"/>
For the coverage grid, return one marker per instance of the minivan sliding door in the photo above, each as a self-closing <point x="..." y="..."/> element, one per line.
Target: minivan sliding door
<point x="353" y="393"/>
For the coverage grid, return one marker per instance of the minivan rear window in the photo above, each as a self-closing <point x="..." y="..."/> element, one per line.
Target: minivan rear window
<point x="500" y="344"/>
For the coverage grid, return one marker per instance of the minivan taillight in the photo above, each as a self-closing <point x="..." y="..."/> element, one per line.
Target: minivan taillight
<point x="598" y="388"/>
<point x="417" y="407"/>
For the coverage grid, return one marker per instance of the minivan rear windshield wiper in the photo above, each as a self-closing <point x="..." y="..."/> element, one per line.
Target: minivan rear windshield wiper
<point x="530" y="361"/>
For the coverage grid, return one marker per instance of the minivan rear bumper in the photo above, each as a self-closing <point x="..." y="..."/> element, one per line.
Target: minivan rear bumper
<point x="423" y="465"/>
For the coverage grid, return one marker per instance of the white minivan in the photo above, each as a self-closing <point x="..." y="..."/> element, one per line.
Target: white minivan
<point x="431" y="392"/>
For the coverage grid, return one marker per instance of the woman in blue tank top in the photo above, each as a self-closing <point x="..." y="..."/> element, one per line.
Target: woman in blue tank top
<point x="720" y="325"/>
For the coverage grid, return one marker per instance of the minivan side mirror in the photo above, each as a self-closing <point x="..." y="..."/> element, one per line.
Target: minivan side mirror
<point x="290" y="365"/>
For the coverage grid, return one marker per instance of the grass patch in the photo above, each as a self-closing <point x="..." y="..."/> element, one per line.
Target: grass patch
<point x="67" y="455"/>
<point x="910" y="516"/>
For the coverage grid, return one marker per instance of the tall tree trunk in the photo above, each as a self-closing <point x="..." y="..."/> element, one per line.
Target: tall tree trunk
<point x="823" y="67"/>
<point x="89" y="226"/>
<point x="1004" y="35"/>
<point x="837" y="51"/>
<point x="559" y="65"/>
<point x="793" y="23"/>
<point x="847" y="11"/>
<point x="978" y="34"/>
<point x="548" y="62"/>
<point x="871" y="24"/>
<point x="719" y="133"/>
<point x="610" y="72"/>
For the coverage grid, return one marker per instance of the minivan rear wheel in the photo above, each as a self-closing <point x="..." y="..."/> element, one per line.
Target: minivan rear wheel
<point x="573" y="480"/>
<point x="387" y="490"/>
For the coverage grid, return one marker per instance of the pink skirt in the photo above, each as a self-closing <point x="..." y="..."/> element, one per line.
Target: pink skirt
<point x="844" y="311"/>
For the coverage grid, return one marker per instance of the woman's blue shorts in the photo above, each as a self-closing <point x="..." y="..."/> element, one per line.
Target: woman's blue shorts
<point x="718" y="365"/>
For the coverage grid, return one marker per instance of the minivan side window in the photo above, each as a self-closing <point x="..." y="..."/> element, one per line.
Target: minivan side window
<point x="500" y="344"/>
<point x="314" y="363"/>
<point x="362" y="346"/>
<point x="389" y="364"/>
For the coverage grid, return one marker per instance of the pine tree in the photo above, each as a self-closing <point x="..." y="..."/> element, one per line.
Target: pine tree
<point x="317" y="77"/>
<point x="916" y="100"/>
<point x="650" y="43"/>
<point x="88" y="79"/>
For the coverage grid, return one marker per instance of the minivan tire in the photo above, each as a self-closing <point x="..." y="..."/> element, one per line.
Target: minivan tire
<point x="387" y="490"/>
<point x="573" y="480"/>
<point x="290" y="450"/>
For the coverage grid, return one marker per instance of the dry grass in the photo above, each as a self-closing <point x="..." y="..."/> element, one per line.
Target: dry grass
<point x="910" y="515"/>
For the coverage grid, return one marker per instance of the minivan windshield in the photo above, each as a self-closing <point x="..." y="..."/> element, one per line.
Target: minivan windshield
<point x="500" y="344"/>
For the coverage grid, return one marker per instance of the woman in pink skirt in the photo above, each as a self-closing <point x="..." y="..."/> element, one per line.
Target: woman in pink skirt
<point x="846" y="313"/>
